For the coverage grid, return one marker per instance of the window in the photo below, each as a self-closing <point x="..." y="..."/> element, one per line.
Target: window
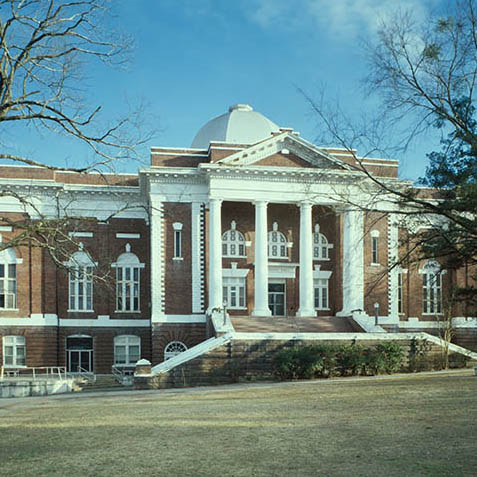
<point x="431" y="288"/>
<point x="177" y="240"/>
<point x="320" y="245"/>
<point x="128" y="281"/>
<point x="14" y="351"/>
<point x="127" y="350"/>
<point x="277" y="243"/>
<point x="399" y="290"/>
<point x="173" y="349"/>
<point x="81" y="269"/>
<point x="321" y="293"/>
<point x="374" y="247"/>
<point x="234" y="292"/>
<point x="233" y="242"/>
<point x="8" y="279"/>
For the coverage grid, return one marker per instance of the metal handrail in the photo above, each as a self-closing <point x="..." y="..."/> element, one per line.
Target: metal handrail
<point x="37" y="372"/>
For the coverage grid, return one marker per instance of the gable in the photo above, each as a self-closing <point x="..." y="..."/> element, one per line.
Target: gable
<point x="284" y="150"/>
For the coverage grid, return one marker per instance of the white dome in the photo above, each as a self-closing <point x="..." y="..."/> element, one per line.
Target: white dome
<point x="241" y="125"/>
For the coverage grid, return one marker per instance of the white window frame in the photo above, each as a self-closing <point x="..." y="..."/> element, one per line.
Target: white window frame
<point x="8" y="282"/>
<point x="128" y="290"/>
<point x="374" y="247"/>
<point x="277" y="242"/>
<point x="431" y="288"/>
<point x="171" y="349"/>
<point x="321" y="292"/>
<point x="16" y="343"/>
<point x="177" y="226"/>
<point x="127" y="341"/>
<point x="235" y="293"/>
<point x="321" y="246"/>
<point x="233" y="242"/>
<point x="80" y="282"/>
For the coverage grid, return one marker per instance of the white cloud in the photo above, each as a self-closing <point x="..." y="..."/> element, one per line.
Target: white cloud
<point x="341" y="18"/>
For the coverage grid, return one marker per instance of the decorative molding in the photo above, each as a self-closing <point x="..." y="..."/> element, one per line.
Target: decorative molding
<point x="127" y="236"/>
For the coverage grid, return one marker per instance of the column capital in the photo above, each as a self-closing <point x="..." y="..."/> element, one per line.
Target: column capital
<point x="305" y="203"/>
<point x="215" y="200"/>
<point x="260" y="203"/>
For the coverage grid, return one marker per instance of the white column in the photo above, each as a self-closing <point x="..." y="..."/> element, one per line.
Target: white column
<point x="261" y="260"/>
<point x="393" y="267"/>
<point x="157" y="262"/>
<point x="353" y="262"/>
<point x="196" y="249"/>
<point x="307" y="301"/>
<point x="215" y="254"/>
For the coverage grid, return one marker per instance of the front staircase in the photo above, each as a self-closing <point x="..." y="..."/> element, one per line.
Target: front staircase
<point x="101" y="383"/>
<point x="294" y="324"/>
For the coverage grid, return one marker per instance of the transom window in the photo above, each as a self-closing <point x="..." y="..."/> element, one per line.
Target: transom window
<point x="277" y="243"/>
<point x="14" y="351"/>
<point x="320" y="245"/>
<point x="127" y="350"/>
<point x="8" y="279"/>
<point x="233" y="242"/>
<point x="128" y="280"/>
<point x="321" y="293"/>
<point x="431" y="288"/>
<point x="234" y="292"/>
<point x="173" y="349"/>
<point x="81" y="269"/>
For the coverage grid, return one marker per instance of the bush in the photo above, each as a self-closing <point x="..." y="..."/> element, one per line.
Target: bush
<point x="324" y="360"/>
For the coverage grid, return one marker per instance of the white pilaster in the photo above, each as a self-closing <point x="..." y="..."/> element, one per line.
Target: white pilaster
<point x="353" y="262"/>
<point x="157" y="262"/>
<point x="393" y="267"/>
<point x="197" y="256"/>
<point x="307" y="302"/>
<point x="261" y="260"/>
<point x="215" y="254"/>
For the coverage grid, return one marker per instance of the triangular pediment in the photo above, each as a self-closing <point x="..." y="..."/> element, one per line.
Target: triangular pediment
<point x="285" y="150"/>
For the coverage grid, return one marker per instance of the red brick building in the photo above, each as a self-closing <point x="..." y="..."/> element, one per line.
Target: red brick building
<point x="252" y="217"/>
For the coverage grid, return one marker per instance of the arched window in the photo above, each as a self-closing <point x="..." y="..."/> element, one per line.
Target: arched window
<point x="8" y="279"/>
<point x="173" y="349"/>
<point x="128" y="281"/>
<point x="431" y="287"/>
<point x="233" y="242"/>
<point x="127" y="350"/>
<point x="320" y="245"/>
<point x="277" y="243"/>
<point x="14" y="351"/>
<point x="81" y="269"/>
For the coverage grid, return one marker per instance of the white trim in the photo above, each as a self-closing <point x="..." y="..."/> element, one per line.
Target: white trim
<point x="177" y="226"/>
<point x="103" y="321"/>
<point x="321" y="274"/>
<point x="128" y="236"/>
<point x="6" y="228"/>
<point x="196" y="318"/>
<point x="172" y="154"/>
<point x="235" y="272"/>
<point x="80" y="234"/>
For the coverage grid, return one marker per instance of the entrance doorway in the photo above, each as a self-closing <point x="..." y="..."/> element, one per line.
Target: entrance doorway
<point x="79" y="353"/>
<point x="276" y="298"/>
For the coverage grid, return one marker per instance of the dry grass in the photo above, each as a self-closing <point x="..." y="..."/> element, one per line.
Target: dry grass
<point x="403" y="426"/>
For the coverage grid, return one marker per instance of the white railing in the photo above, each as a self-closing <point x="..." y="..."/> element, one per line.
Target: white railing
<point x="85" y="374"/>
<point x="123" y="375"/>
<point x="39" y="372"/>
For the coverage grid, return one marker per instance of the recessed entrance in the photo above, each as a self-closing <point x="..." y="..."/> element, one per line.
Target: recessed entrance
<point x="79" y="354"/>
<point x="276" y="298"/>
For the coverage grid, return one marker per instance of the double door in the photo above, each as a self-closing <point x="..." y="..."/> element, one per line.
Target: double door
<point x="276" y="298"/>
<point x="79" y="354"/>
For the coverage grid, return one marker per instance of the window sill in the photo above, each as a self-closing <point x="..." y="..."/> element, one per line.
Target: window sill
<point x="236" y="308"/>
<point x="12" y="366"/>
<point x="322" y="309"/>
<point x="234" y="256"/>
<point x="80" y="311"/>
<point x="432" y="314"/>
<point x="278" y="258"/>
<point x="177" y="259"/>
<point x="375" y="264"/>
<point x="123" y="312"/>
<point x="9" y="309"/>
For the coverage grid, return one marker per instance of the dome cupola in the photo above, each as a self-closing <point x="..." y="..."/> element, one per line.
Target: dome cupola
<point x="241" y="125"/>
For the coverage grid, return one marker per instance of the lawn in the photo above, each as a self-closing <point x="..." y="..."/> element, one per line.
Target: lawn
<point x="419" y="425"/>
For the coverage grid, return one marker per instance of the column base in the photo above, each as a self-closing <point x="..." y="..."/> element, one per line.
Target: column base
<point x="305" y="313"/>
<point x="264" y="312"/>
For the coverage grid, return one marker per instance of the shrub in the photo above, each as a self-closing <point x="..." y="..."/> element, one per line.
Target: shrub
<point x="350" y="359"/>
<point x="393" y="354"/>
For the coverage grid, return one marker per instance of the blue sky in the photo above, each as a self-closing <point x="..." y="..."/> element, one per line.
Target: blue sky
<point x="194" y="58"/>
